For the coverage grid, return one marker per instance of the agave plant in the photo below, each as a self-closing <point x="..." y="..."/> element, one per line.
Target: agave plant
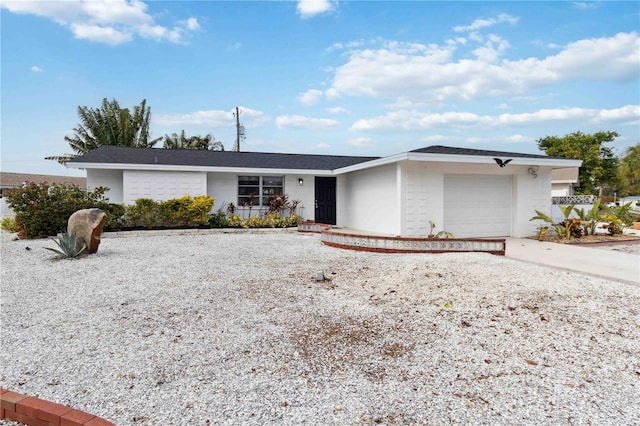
<point x="67" y="246"/>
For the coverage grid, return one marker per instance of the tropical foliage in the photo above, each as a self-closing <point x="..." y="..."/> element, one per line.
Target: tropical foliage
<point x="629" y="172"/>
<point x="206" y="142"/>
<point x="584" y="222"/>
<point x="599" y="164"/>
<point x="109" y="125"/>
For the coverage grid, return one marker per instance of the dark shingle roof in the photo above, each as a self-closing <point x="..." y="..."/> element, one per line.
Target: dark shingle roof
<point x="188" y="157"/>
<point x="439" y="149"/>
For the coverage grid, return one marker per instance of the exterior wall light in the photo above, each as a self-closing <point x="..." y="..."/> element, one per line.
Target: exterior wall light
<point x="300" y="182"/>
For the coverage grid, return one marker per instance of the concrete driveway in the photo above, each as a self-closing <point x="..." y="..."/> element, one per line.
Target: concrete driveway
<point x="610" y="264"/>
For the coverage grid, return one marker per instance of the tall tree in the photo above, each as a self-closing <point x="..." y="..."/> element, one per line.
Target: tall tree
<point x="206" y="142"/>
<point x="629" y="172"/>
<point x="598" y="170"/>
<point x="109" y="125"/>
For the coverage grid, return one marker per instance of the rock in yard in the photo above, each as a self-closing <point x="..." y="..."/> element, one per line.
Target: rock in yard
<point x="87" y="226"/>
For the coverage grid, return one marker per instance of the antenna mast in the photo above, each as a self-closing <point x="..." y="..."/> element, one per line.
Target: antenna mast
<point x="239" y="130"/>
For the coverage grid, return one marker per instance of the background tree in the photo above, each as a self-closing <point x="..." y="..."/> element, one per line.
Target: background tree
<point x="109" y="125"/>
<point x="629" y="172"/>
<point x="598" y="172"/>
<point x="206" y="142"/>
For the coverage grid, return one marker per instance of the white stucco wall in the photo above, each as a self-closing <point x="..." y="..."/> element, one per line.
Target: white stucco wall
<point x="530" y="195"/>
<point x="561" y="190"/>
<point x="423" y="196"/>
<point x="372" y="200"/>
<point x="5" y="210"/>
<point x="224" y="188"/>
<point x="162" y="185"/>
<point x="112" y="179"/>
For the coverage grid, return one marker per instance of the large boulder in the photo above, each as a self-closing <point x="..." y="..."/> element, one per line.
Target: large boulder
<point x="87" y="226"/>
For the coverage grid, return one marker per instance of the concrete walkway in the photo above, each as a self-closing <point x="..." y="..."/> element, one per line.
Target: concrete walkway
<point x="608" y="264"/>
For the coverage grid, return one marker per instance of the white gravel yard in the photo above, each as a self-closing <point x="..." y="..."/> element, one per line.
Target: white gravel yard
<point x="233" y="328"/>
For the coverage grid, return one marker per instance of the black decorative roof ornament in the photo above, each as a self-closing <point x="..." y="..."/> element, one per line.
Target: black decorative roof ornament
<point x="501" y="163"/>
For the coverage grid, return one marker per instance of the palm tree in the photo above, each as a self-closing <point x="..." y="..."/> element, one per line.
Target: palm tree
<point x="109" y="125"/>
<point x="206" y="142"/>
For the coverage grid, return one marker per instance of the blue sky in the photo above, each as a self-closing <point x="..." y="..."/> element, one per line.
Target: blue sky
<point x="321" y="77"/>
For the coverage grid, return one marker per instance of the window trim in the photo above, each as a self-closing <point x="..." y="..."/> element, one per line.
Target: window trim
<point x="260" y="197"/>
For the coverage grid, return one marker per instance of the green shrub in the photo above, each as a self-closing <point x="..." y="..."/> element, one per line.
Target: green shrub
<point x="218" y="220"/>
<point x="42" y="210"/>
<point x="115" y="216"/>
<point x="145" y="212"/>
<point x="270" y="220"/>
<point x="199" y="209"/>
<point x="235" y="221"/>
<point x="176" y="212"/>
<point x="9" y="224"/>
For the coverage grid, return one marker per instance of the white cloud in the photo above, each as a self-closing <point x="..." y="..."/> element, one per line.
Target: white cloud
<point x="191" y="24"/>
<point x="107" y="35"/>
<point x="300" y="122"/>
<point x="332" y="93"/>
<point x="614" y="57"/>
<point x="36" y="68"/>
<point x="234" y="46"/>
<point x="338" y="110"/>
<point x="361" y="142"/>
<point x="250" y="118"/>
<point x="310" y="8"/>
<point x="586" y="5"/>
<point x="519" y="139"/>
<point x="484" y="23"/>
<point x="435" y="138"/>
<point x="310" y="97"/>
<point x="428" y="73"/>
<point x="323" y="146"/>
<point x="417" y="121"/>
<point x="105" y="21"/>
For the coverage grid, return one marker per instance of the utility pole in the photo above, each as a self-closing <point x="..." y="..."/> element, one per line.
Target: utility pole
<point x="239" y="130"/>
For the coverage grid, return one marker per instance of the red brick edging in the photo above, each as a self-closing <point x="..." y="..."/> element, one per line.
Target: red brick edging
<point x="38" y="412"/>
<point x="388" y="244"/>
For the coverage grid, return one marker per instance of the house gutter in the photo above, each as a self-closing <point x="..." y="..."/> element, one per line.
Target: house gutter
<point x="554" y="163"/>
<point x="179" y="168"/>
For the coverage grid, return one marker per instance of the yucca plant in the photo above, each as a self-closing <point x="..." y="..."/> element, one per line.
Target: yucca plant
<point x="67" y="246"/>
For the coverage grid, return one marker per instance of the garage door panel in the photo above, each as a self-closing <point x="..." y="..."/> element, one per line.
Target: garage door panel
<point x="477" y="206"/>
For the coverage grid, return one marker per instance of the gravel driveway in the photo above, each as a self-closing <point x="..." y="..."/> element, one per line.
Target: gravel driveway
<point x="234" y="329"/>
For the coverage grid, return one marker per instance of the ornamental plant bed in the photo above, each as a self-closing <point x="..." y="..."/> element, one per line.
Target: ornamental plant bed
<point x="592" y="239"/>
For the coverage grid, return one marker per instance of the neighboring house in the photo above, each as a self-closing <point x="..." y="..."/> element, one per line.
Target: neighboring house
<point x="563" y="181"/>
<point x="464" y="191"/>
<point x="16" y="180"/>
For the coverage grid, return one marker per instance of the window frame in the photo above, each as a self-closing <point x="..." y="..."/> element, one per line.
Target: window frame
<point x="263" y="186"/>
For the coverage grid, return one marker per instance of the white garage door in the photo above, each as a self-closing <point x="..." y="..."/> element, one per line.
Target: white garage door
<point x="161" y="185"/>
<point x="477" y="206"/>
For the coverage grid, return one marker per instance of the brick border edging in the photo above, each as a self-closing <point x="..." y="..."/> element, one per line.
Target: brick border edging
<point x="326" y="230"/>
<point x="34" y="411"/>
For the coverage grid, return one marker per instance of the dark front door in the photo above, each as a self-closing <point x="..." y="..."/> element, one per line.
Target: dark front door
<point x="326" y="200"/>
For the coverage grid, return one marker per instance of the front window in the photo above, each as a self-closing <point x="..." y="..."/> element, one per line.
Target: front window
<point x="255" y="190"/>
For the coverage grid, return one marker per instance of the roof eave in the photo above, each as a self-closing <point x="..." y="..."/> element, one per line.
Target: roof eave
<point x="212" y="169"/>
<point x="457" y="158"/>
<point x="372" y="163"/>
